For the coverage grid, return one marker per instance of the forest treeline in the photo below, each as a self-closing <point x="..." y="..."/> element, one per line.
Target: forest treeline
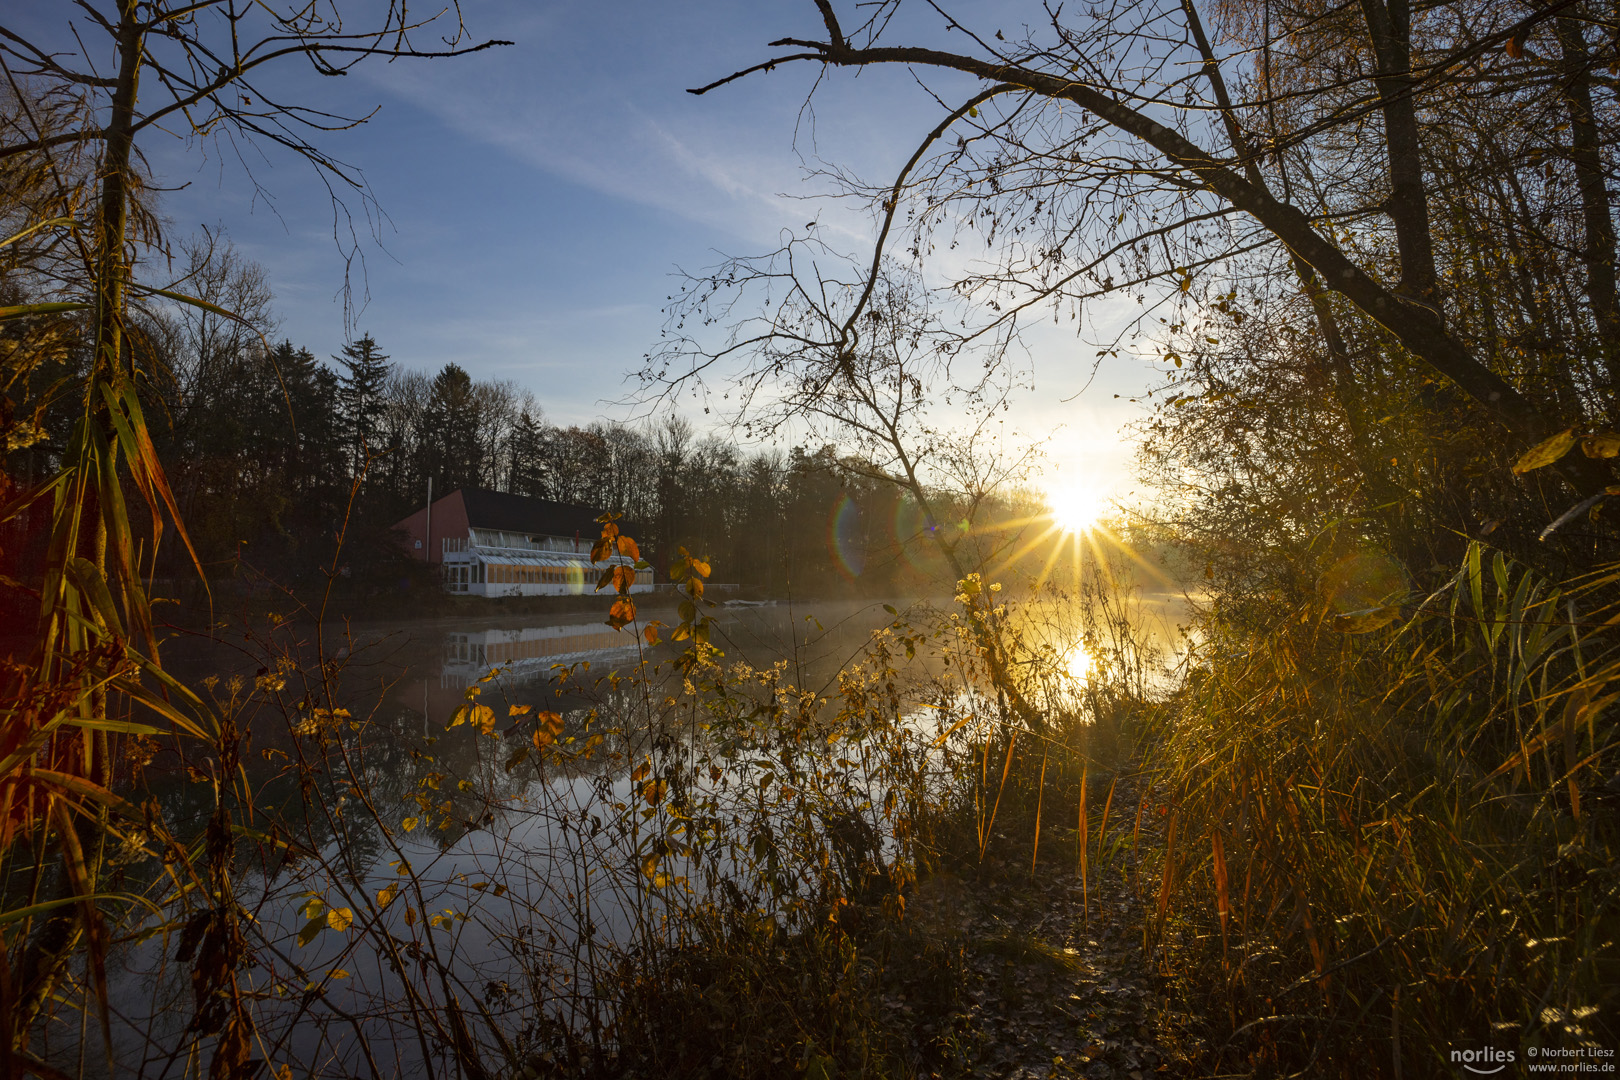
<point x="264" y="441"/>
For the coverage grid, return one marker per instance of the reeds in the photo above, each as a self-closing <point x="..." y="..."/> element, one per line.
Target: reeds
<point x="1390" y="830"/>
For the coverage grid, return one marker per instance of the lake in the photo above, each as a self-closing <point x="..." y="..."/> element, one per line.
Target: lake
<point x="405" y="868"/>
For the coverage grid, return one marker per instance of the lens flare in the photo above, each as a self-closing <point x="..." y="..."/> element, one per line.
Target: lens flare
<point x="844" y="538"/>
<point x="911" y="534"/>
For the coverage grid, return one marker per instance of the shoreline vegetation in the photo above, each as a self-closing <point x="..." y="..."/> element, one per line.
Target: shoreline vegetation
<point x="836" y="883"/>
<point x="1359" y="818"/>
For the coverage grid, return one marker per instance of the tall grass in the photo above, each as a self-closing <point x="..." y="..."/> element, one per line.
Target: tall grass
<point x="1395" y="844"/>
<point x="93" y="678"/>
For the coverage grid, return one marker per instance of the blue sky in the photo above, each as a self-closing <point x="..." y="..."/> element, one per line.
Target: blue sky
<point x="539" y="197"/>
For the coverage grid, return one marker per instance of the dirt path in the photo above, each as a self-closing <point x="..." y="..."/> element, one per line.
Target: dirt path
<point x="1056" y="984"/>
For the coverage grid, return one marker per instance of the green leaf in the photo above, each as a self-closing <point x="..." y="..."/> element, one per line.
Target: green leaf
<point x="195" y="302"/>
<point x="36" y="227"/>
<point x="18" y="914"/>
<point x="311" y="928"/>
<point x="23" y="311"/>
<point x="94" y="588"/>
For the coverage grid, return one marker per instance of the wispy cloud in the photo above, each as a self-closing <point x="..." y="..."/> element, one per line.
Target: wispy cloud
<point x="618" y="149"/>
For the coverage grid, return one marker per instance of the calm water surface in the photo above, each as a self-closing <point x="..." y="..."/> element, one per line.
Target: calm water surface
<point x="513" y="862"/>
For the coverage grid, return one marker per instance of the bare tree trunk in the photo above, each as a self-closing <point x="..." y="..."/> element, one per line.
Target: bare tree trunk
<point x="1584" y="153"/>
<point x="1408" y="205"/>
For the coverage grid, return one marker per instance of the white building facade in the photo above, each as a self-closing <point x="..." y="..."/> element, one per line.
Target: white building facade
<point x="491" y="543"/>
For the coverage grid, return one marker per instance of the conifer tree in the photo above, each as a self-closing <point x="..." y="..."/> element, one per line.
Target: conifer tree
<point x="360" y="396"/>
<point x="452" y="420"/>
<point x="528" y="467"/>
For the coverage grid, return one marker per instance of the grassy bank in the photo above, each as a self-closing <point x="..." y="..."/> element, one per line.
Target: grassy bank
<point x="1337" y="845"/>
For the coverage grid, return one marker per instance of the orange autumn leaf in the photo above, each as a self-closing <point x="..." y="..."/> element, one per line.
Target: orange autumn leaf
<point x="621" y="613"/>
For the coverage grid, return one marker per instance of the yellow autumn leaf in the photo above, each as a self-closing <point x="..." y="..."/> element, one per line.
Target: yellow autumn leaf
<point x="1546" y="452"/>
<point x="385" y="896"/>
<point x="339" y="918"/>
<point x="408" y="824"/>
<point x="1605" y="444"/>
<point x="480" y="716"/>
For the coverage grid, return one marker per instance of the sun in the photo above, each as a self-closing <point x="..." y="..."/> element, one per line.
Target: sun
<point x="1076" y="508"/>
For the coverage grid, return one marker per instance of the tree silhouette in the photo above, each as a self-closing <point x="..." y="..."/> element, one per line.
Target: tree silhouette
<point x="360" y="397"/>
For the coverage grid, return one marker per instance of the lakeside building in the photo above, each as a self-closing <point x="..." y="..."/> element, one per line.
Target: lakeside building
<point x="491" y="543"/>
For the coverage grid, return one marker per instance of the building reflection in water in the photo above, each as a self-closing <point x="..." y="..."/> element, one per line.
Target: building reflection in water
<point x="527" y="654"/>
